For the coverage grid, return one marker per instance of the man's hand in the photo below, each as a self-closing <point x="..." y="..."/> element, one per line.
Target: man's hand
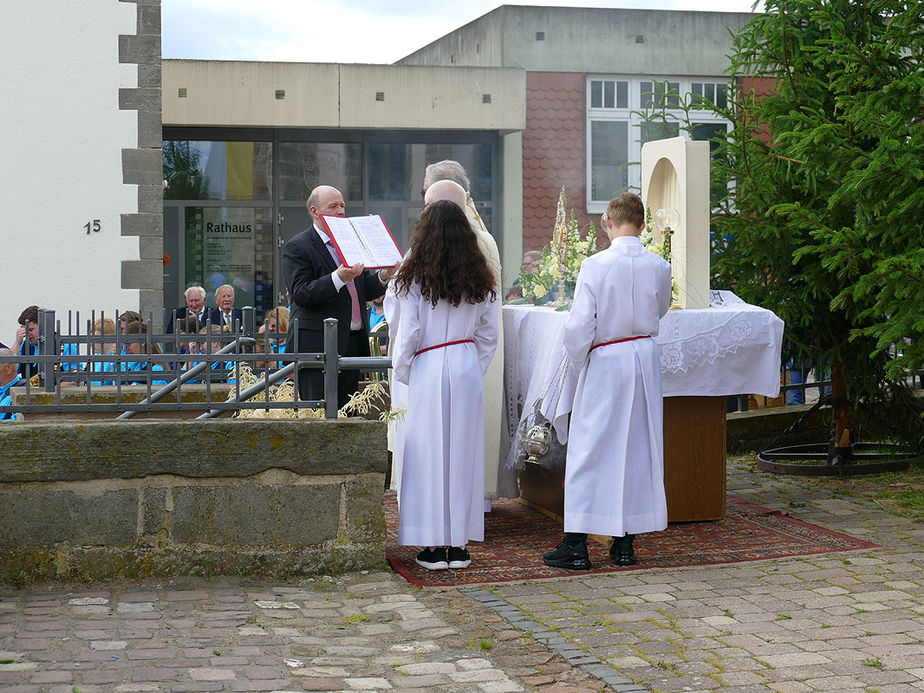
<point x="386" y="274"/>
<point x="20" y="337"/>
<point x="349" y="273"/>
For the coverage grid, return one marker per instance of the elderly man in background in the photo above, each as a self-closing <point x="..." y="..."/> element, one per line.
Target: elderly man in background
<point x="9" y="377"/>
<point x="447" y="180"/>
<point x="226" y="314"/>
<point x="195" y="307"/>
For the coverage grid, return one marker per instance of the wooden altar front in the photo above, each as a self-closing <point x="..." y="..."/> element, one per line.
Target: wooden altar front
<point x="694" y="464"/>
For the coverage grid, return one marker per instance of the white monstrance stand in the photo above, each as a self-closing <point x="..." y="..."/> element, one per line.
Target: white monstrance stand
<point x="675" y="175"/>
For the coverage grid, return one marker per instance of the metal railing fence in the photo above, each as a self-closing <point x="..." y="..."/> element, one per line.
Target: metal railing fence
<point x="70" y="367"/>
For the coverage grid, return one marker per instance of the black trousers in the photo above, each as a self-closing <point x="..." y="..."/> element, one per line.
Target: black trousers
<point x="311" y="381"/>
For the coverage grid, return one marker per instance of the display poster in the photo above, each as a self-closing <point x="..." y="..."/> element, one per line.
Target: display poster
<point x="229" y="249"/>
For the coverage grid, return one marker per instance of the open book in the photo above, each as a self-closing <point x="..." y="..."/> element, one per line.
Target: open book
<point x="362" y="239"/>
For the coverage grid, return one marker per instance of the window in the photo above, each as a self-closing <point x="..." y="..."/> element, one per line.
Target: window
<point x="608" y="93"/>
<point x="210" y="170"/>
<point x="231" y="245"/>
<point x="305" y="165"/>
<point x="652" y="94"/>
<point x="708" y="94"/>
<point x="235" y="196"/>
<point x="617" y="129"/>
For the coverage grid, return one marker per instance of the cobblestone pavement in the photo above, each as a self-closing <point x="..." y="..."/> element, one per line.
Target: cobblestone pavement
<point x="831" y="622"/>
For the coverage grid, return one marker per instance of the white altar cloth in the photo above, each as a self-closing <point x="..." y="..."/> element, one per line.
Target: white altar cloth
<point x="730" y="348"/>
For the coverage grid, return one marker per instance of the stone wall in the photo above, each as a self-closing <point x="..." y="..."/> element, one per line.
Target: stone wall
<point x="142" y="166"/>
<point x="223" y="497"/>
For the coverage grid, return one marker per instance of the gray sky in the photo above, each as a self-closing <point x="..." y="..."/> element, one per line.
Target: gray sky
<point x="343" y="31"/>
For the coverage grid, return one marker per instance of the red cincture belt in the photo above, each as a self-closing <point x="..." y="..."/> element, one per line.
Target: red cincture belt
<point x="617" y="341"/>
<point x="445" y="344"/>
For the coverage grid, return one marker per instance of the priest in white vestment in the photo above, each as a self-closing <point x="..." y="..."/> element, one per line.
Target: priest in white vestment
<point x="447" y="336"/>
<point x="614" y="470"/>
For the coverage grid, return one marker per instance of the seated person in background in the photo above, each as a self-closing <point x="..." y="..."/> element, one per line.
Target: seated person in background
<point x="376" y="318"/>
<point x="26" y="342"/>
<point x="276" y="326"/>
<point x="194" y="308"/>
<point x="219" y="371"/>
<point x="127" y="317"/>
<point x="187" y="326"/>
<point x="530" y="264"/>
<point x="376" y="314"/>
<point x="226" y="313"/>
<point x="181" y="343"/>
<point x="102" y="326"/>
<point x="136" y="347"/>
<point x="9" y="377"/>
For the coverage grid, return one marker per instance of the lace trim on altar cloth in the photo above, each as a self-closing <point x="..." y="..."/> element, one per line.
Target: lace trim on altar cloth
<point x="681" y="354"/>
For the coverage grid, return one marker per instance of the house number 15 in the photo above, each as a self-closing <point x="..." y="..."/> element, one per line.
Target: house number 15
<point x="94" y="224"/>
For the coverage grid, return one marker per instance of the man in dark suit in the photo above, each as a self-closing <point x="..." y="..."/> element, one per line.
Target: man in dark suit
<point x="195" y="308"/>
<point x="320" y="287"/>
<point x="226" y="313"/>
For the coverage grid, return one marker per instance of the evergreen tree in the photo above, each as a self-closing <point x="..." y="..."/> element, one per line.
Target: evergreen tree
<point x="824" y="220"/>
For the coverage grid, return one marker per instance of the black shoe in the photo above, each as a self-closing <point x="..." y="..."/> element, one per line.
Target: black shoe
<point x="433" y="559"/>
<point x="570" y="554"/>
<point x="458" y="558"/>
<point x="621" y="550"/>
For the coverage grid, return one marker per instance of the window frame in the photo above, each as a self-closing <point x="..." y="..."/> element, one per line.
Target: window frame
<point x="630" y="114"/>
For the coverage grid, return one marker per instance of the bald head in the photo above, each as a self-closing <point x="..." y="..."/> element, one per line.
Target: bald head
<point x="325" y="199"/>
<point x="446" y="190"/>
<point x="7" y="370"/>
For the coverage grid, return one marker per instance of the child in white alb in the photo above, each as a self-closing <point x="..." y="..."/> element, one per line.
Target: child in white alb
<point x="614" y="473"/>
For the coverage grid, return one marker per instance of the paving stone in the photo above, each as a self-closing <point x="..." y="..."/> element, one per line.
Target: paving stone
<point x="841" y="610"/>
<point x="367" y="684"/>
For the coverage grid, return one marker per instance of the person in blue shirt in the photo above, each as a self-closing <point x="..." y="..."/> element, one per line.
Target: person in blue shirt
<point x="276" y="326"/>
<point x="26" y="343"/>
<point x="377" y="323"/>
<point x="100" y="328"/>
<point x="8" y="378"/>
<point x="219" y="371"/>
<point x="376" y="314"/>
<point x="144" y="369"/>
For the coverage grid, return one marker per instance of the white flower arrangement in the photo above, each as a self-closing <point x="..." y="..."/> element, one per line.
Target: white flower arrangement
<point x="561" y="259"/>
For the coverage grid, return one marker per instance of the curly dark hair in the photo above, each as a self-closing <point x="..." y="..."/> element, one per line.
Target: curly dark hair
<point x="445" y="259"/>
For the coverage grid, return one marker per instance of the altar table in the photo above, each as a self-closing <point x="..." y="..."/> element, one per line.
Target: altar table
<point x="707" y="354"/>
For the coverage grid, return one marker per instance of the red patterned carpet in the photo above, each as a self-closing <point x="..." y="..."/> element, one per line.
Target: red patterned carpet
<point x="516" y="536"/>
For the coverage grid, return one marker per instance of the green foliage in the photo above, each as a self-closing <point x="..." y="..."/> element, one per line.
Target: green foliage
<point x="825" y="219"/>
